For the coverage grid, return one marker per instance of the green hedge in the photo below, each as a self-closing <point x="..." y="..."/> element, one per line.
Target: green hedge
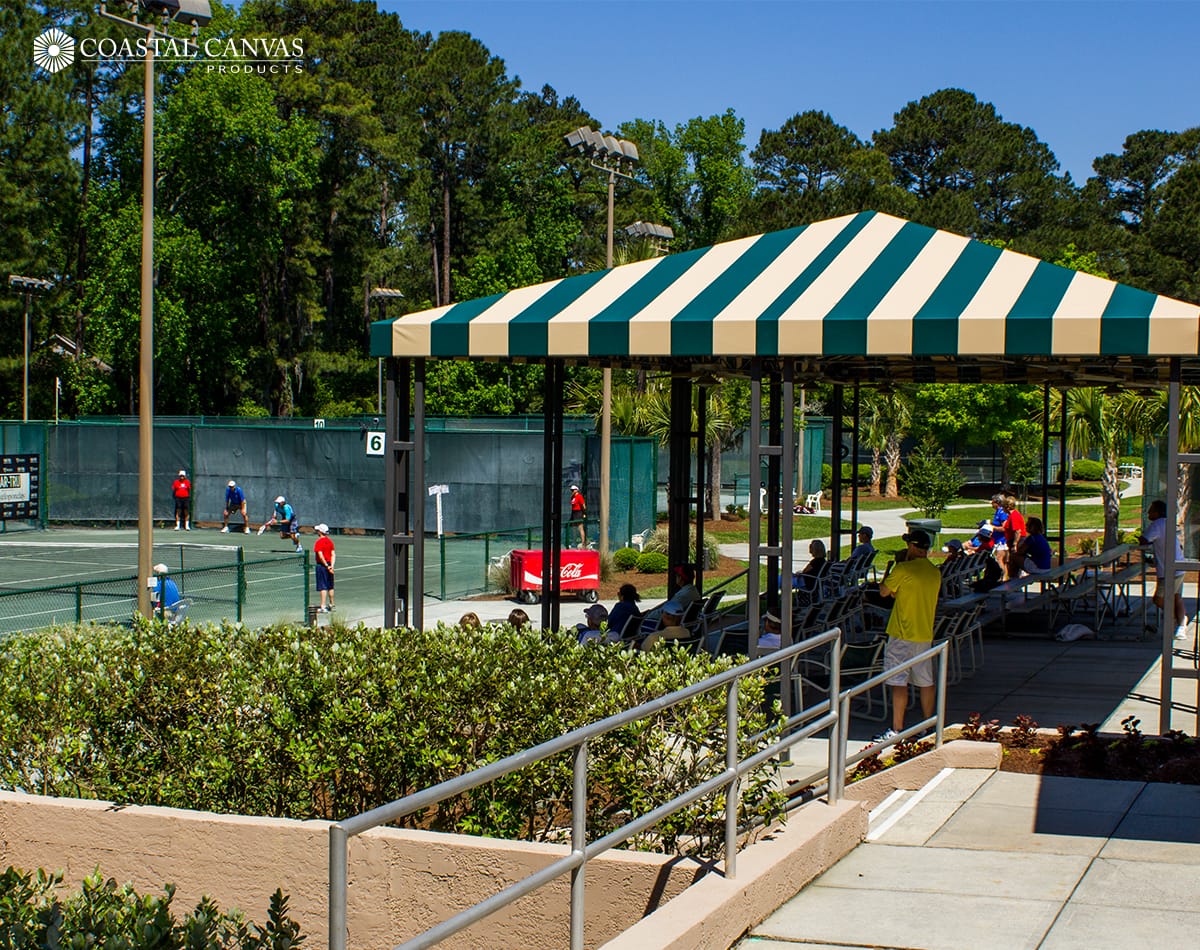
<point x="864" y="474"/>
<point x="330" y="721"/>
<point x="626" y="558"/>
<point x="103" y="913"/>
<point x="652" y="562"/>
<point x="1086" y="470"/>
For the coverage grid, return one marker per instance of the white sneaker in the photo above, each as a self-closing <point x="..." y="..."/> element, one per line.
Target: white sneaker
<point x="188" y="528"/>
<point x="886" y="736"/>
<point x="299" y="548"/>
<point x="1181" y="632"/>
<point x="176" y="527"/>
<point x="225" y="530"/>
<point x="246" y="530"/>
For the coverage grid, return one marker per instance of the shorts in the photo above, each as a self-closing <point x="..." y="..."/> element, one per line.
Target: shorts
<point x="1159" y="586"/>
<point x="1030" y="567"/>
<point x="1000" y="544"/>
<point x="324" y="578"/>
<point x="900" y="651"/>
<point x="181" y="506"/>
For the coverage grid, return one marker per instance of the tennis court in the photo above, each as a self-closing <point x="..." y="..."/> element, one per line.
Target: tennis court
<point x="67" y="575"/>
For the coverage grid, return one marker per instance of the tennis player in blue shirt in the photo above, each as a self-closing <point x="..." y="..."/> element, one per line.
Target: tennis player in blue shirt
<point x="235" y="500"/>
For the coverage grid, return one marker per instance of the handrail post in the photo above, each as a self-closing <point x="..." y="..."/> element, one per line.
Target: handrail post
<point x="840" y="777"/>
<point x="941" y="698"/>
<point x="578" y="843"/>
<point x="733" y="792"/>
<point x="338" y="844"/>
<point x="835" y="730"/>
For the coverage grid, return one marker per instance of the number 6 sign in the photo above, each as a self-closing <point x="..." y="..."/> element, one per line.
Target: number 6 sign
<point x="376" y="442"/>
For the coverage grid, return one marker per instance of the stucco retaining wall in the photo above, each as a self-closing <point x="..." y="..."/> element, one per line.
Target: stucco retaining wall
<point x="401" y="882"/>
<point x="914" y="773"/>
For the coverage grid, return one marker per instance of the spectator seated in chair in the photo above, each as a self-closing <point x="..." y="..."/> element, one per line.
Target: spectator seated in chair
<point x="590" y="631"/>
<point x="672" y="626"/>
<point x="815" y="569"/>
<point x="1033" y="550"/>
<point x="982" y="541"/>
<point x="624" y="608"/>
<point x="771" y="637"/>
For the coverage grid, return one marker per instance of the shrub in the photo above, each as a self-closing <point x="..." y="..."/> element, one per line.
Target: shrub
<point x="658" y="542"/>
<point x="931" y="482"/>
<point x="499" y="574"/>
<point x="1086" y="470"/>
<point x="652" y="562"/>
<point x="626" y="558"/>
<point x="332" y="721"/>
<point x="1130" y="460"/>
<point x="103" y="913"/>
<point x="863" y="474"/>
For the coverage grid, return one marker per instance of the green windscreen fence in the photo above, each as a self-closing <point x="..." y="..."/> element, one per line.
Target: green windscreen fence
<point x="492" y="469"/>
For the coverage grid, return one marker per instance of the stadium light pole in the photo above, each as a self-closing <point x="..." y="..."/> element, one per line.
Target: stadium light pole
<point x="27" y="287"/>
<point x="197" y="13"/>
<point x="615" y="157"/>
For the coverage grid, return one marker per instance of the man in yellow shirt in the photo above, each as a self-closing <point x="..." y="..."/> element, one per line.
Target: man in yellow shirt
<point x="914" y="583"/>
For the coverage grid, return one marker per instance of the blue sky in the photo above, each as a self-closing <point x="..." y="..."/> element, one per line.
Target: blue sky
<point x="1082" y="75"/>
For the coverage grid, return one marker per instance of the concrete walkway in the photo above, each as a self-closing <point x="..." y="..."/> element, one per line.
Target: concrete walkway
<point x="998" y="860"/>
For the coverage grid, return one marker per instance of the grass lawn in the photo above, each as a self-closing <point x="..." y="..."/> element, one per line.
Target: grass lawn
<point x="1079" y="517"/>
<point x="804" y="526"/>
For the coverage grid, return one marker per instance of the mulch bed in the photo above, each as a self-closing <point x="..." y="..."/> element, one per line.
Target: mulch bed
<point x="1085" y="753"/>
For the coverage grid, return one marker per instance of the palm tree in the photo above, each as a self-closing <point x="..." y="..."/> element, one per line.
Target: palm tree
<point x="872" y="433"/>
<point x="1189" y="438"/>
<point x="896" y="415"/>
<point x="1101" y="422"/>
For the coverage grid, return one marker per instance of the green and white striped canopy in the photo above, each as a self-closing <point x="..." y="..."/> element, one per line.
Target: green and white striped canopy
<point x="864" y="285"/>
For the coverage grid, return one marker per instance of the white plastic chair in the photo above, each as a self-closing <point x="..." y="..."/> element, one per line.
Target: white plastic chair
<point x="813" y="501"/>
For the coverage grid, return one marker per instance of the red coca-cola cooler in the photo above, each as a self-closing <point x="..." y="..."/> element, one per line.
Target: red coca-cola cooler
<point x="579" y="571"/>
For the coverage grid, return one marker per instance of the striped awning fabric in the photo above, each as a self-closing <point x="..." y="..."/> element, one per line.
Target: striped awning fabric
<point x="864" y="285"/>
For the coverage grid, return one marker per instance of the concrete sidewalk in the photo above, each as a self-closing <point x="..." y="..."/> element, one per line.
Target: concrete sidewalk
<point x="1001" y="860"/>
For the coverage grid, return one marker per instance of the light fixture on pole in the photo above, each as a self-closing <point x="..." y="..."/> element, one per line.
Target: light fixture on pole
<point x="382" y="295"/>
<point x="195" y="13"/>
<point x="27" y="287"/>
<point x="615" y="157"/>
<point x="659" y="235"/>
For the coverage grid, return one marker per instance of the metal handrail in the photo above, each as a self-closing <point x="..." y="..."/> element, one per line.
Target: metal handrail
<point x="581" y="851"/>
<point x="837" y="773"/>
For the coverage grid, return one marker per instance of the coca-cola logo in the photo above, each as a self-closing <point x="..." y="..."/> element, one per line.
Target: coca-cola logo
<point x="571" y="572"/>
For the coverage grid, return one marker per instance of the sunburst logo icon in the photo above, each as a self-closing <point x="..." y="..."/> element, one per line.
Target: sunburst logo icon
<point x="53" y="51"/>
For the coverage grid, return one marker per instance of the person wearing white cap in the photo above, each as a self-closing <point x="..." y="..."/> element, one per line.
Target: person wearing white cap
<point x="235" y="500"/>
<point x="589" y="632"/>
<point x="164" y="592"/>
<point x="181" y="489"/>
<point x="771" y="637"/>
<point x="579" y="514"/>
<point x="325" y="555"/>
<point x="289" y="525"/>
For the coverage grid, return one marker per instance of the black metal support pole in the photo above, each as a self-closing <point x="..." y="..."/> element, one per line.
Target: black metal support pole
<point x="752" y="576"/>
<point x="1046" y="462"/>
<point x="774" y="488"/>
<point x="837" y="410"/>
<point x="702" y="480"/>
<point x="1062" y="475"/>
<point x="835" y="553"/>
<point x="552" y="490"/>
<point x="416" y="596"/>
<point x="678" y="494"/>
<point x="397" y="453"/>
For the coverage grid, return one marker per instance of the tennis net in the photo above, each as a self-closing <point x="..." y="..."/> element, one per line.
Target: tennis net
<point x="257" y="592"/>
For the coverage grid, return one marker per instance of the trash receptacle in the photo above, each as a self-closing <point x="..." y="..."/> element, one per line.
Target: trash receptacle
<point x="931" y="526"/>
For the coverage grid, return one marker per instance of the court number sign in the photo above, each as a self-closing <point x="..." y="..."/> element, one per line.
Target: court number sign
<point x="376" y="442"/>
<point x="20" y="487"/>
